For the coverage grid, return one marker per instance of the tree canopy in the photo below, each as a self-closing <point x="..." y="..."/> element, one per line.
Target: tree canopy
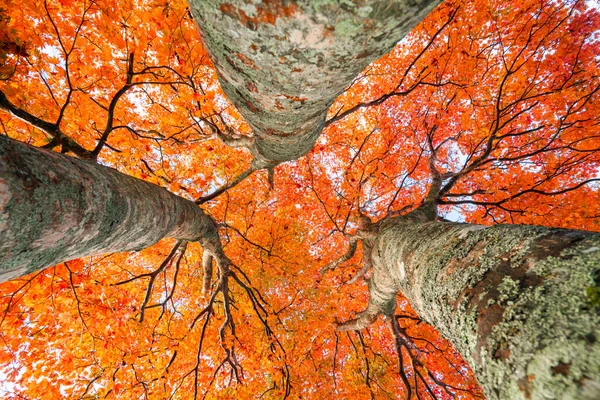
<point x="492" y="106"/>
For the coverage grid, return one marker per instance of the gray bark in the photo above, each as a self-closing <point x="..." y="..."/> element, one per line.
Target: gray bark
<point x="282" y="62"/>
<point x="54" y="208"/>
<point x="520" y="303"/>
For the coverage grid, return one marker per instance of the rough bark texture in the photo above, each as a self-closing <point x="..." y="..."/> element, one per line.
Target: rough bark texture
<point x="54" y="208"/>
<point x="518" y="302"/>
<point x="283" y="62"/>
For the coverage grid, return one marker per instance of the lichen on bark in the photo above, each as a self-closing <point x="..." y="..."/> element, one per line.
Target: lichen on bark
<point x="512" y="300"/>
<point x="54" y="208"/>
<point x="282" y="62"/>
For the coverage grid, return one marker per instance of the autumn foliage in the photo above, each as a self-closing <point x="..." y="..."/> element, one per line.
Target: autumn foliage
<point x="500" y="98"/>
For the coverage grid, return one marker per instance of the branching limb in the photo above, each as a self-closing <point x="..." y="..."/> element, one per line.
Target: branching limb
<point x="227" y="331"/>
<point x="152" y="275"/>
<point x="398" y="89"/>
<point x="13" y="299"/>
<point x="348" y="255"/>
<point x="113" y="104"/>
<point x="91" y="384"/>
<point x="258" y="303"/>
<point x="228" y="324"/>
<point x="228" y="186"/>
<point x="207" y="269"/>
<point x="399" y="342"/>
<point x="208" y="311"/>
<point x="77" y="300"/>
<point x="236" y="142"/>
<point x="364" y="319"/>
<point x="169" y="294"/>
<point x="403" y="340"/>
<point x="230" y="138"/>
<point x="51" y="129"/>
<point x="268" y="251"/>
<point x="367" y="264"/>
<point x="436" y="176"/>
<point x="314" y="190"/>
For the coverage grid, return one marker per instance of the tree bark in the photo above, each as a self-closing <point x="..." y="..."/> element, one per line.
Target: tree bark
<point x="520" y="303"/>
<point x="283" y="62"/>
<point x="54" y="208"/>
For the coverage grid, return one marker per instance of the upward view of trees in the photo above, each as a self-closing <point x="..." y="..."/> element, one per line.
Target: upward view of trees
<point x="299" y="199"/>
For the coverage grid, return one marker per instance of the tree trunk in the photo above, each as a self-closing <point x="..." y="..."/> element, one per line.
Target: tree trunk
<point x="520" y="303"/>
<point x="283" y="62"/>
<point x="54" y="208"/>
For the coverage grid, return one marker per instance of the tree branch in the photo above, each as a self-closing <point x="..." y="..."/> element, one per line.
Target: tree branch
<point x="51" y="129"/>
<point x="237" y="180"/>
<point x="352" y="244"/>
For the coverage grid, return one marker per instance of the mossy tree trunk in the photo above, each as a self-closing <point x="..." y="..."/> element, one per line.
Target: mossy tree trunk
<point x="283" y="62"/>
<point x="55" y="208"/>
<point x="520" y="303"/>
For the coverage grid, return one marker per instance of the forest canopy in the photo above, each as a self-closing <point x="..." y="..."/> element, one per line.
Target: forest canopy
<point x="488" y="111"/>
